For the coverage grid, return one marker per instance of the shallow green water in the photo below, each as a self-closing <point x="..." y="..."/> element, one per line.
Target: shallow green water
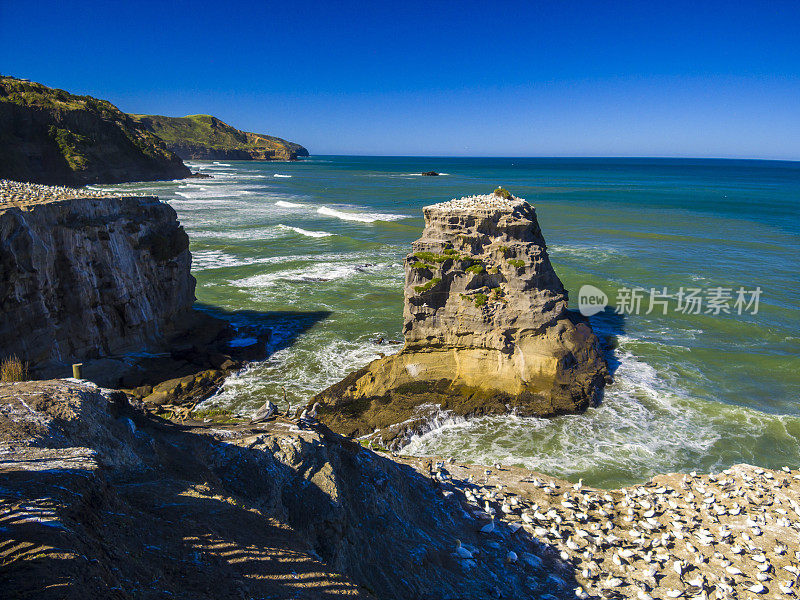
<point x="316" y="256"/>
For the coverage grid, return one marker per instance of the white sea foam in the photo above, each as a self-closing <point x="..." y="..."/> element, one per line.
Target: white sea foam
<point x="269" y="232"/>
<point x="217" y="259"/>
<point x="205" y="192"/>
<point x="285" y="204"/>
<point x="312" y="363"/>
<point x="645" y="425"/>
<point x="306" y="232"/>
<point x="279" y="175"/>
<point x="358" y="216"/>
<point x="585" y="252"/>
<point x="314" y="273"/>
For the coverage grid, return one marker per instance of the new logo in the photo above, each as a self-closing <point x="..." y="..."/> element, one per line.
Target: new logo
<point x="591" y="300"/>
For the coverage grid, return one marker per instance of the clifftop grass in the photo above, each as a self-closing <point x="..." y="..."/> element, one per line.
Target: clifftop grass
<point x="205" y="136"/>
<point x="50" y="136"/>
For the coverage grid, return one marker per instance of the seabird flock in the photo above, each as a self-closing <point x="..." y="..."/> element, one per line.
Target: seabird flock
<point x="726" y="536"/>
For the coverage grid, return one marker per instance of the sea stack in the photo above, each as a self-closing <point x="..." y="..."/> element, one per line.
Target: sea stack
<point x="487" y="329"/>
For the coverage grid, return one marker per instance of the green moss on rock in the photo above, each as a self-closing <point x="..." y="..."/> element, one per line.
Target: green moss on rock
<point x="503" y="193"/>
<point x="431" y="257"/>
<point x="421" y="289"/>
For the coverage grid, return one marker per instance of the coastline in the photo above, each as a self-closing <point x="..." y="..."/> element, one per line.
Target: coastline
<point x="289" y="507"/>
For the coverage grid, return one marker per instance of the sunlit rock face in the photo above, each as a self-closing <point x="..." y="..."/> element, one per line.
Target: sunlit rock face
<point x="89" y="276"/>
<point x="487" y="328"/>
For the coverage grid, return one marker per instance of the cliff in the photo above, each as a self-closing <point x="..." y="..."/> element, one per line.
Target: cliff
<point x="487" y="328"/>
<point x="84" y="275"/>
<point x="105" y="501"/>
<point x="50" y="136"/>
<point x="205" y="137"/>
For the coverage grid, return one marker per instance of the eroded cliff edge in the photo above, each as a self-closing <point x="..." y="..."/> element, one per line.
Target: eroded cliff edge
<point x="90" y="275"/>
<point x="99" y="499"/>
<point x="487" y="329"/>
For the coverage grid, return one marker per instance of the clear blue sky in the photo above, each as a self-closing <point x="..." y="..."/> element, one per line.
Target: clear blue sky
<point x="432" y="78"/>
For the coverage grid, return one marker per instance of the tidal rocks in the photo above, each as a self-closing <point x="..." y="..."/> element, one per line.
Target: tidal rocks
<point x="487" y="329"/>
<point x="88" y="276"/>
<point x="430" y="174"/>
<point x="51" y="136"/>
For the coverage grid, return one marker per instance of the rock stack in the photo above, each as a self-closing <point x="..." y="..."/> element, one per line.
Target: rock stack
<point x="487" y="329"/>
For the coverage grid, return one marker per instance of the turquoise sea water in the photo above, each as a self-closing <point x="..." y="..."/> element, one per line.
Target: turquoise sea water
<point x="313" y="250"/>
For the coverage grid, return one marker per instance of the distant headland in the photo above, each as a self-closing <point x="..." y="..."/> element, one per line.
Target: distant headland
<point x="50" y="136"/>
<point x="203" y="137"/>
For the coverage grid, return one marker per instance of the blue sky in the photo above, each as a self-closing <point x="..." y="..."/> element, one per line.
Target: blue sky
<point x="433" y="78"/>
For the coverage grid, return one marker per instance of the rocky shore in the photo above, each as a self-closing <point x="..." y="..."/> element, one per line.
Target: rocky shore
<point x="100" y="498"/>
<point x="104" y="280"/>
<point x="486" y="327"/>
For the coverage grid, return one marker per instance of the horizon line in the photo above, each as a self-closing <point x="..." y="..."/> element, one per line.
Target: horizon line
<point x="548" y="157"/>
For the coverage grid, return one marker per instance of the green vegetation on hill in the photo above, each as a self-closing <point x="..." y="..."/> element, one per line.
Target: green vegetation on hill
<point x="50" y="136"/>
<point x="206" y="137"/>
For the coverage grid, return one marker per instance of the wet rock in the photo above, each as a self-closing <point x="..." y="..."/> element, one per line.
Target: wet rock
<point x="186" y="390"/>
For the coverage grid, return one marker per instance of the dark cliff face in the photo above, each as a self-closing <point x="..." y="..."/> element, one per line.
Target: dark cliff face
<point x="88" y="277"/>
<point x="203" y="137"/>
<point x="53" y="137"/>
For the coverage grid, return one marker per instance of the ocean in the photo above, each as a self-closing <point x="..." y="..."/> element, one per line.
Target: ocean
<point x="313" y="250"/>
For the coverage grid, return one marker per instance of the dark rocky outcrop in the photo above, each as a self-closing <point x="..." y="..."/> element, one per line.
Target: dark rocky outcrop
<point x="101" y="500"/>
<point x="105" y="280"/>
<point x="50" y="136"/>
<point x="203" y="137"/>
<point x="487" y="329"/>
<point x="430" y="174"/>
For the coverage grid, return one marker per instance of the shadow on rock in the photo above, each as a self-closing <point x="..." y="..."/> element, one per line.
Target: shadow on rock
<point x="246" y="512"/>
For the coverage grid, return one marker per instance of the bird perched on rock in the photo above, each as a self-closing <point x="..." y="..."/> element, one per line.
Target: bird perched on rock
<point x="310" y="415"/>
<point x="263" y="413"/>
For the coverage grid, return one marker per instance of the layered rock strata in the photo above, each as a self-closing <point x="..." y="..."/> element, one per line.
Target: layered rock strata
<point x="84" y="275"/>
<point x="487" y="328"/>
